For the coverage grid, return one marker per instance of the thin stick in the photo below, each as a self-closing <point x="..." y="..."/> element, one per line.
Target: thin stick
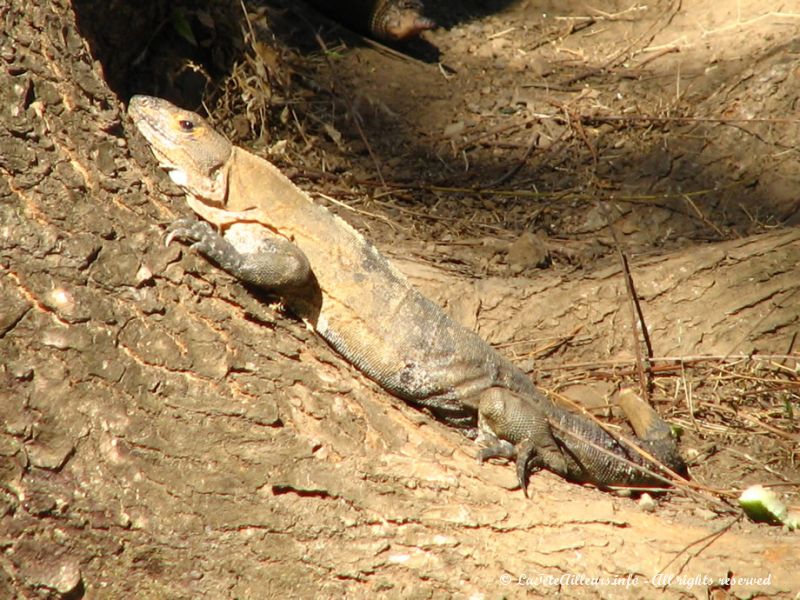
<point x="703" y="218"/>
<point x="520" y="163"/>
<point x="704" y="541"/>
<point x="383" y="218"/>
<point x="638" y="324"/>
<point x="527" y="193"/>
<point x="657" y="55"/>
<point x="651" y="118"/>
<point x="677" y="360"/>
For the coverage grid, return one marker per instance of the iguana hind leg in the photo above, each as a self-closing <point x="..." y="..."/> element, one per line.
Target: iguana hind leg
<point x="521" y="424"/>
<point x="272" y="263"/>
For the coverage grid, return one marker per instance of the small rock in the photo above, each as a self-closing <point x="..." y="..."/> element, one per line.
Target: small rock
<point x="143" y="275"/>
<point x="529" y="250"/>
<point x="51" y="457"/>
<point x="646" y="503"/>
<point x="66" y="577"/>
<point x="62" y="574"/>
<point x="454" y="129"/>
<point x="705" y="514"/>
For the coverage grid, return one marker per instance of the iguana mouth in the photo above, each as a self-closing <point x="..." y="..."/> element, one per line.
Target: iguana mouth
<point x="157" y="139"/>
<point x="176" y="174"/>
<point x="405" y="24"/>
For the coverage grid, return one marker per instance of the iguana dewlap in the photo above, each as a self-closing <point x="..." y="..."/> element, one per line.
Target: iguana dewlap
<point x="272" y="235"/>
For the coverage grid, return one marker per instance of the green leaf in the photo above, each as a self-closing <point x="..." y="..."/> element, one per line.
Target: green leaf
<point x="180" y="23"/>
<point x="761" y="504"/>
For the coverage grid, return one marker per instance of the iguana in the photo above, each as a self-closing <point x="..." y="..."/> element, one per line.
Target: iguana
<point x="262" y="229"/>
<point x="390" y="20"/>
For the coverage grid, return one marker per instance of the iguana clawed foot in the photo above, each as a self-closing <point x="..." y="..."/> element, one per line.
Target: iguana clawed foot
<point x="524" y="453"/>
<point x="202" y="237"/>
<point x="191" y="230"/>
<point x="518" y="427"/>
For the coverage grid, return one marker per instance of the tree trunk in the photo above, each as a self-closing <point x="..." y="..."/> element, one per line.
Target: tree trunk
<point x="730" y="298"/>
<point x="167" y="435"/>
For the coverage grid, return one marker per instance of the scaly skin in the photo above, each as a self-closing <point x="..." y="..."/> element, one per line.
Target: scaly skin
<point x="272" y="235"/>
<point x="399" y="19"/>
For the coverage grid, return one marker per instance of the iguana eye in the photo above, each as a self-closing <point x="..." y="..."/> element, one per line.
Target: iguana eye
<point x="186" y="125"/>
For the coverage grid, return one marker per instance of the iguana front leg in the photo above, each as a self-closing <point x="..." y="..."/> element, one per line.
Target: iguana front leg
<point x="264" y="260"/>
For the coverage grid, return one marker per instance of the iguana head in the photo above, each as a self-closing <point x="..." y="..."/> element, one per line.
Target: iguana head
<point x="185" y="145"/>
<point x="400" y="20"/>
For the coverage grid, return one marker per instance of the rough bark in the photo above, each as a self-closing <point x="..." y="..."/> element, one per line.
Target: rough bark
<point x="724" y="299"/>
<point x="164" y="434"/>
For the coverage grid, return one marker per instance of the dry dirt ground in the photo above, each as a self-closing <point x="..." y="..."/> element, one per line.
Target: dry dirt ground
<point x="166" y="434"/>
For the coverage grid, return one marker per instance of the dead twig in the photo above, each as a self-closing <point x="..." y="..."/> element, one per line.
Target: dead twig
<point x="657" y="55"/>
<point x="704" y="543"/>
<point x="655" y="119"/>
<point x="520" y="163"/>
<point x="674" y="362"/>
<point x="528" y="193"/>
<point x="365" y="213"/>
<point x="642" y="347"/>
<point x="703" y="218"/>
<point x="578" y="125"/>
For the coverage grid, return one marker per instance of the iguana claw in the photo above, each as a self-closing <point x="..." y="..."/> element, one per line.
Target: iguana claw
<point x="188" y="229"/>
